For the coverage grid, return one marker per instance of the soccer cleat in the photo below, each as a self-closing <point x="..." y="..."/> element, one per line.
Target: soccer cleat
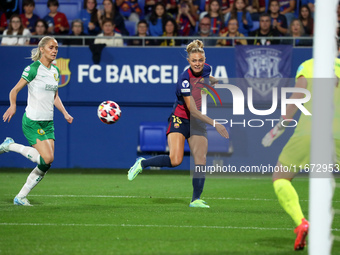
<point x="4" y="147"/>
<point x="21" y="201"/>
<point x="301" y="232"/>
<point x="199" y="203"/>
<point x="135" y="169"/>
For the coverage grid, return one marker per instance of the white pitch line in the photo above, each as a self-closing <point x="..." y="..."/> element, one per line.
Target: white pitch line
<point x="137" y="225"/>
<point x="108" y="196"/>
<point x="212" y="198"/>
<point x="143" y="226"/>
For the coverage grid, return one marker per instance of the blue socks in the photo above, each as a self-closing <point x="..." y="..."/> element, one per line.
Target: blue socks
<point x="158" y="161"/>
<point x="198" y="183"/>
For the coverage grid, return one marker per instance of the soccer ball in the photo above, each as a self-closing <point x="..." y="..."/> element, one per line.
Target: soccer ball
<point x="109" y="112"/>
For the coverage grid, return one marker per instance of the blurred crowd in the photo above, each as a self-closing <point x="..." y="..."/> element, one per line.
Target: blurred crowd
<point x="257" y="21"/>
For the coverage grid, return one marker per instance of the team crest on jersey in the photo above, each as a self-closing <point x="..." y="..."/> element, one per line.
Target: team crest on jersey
<point x="56" y="77"/>
<point x="41" y="131"/>
<point x="176" y="125"/>
<point x="185" y="84"/>
<point x="65" y="73"/>
<point x="263" y="69"/>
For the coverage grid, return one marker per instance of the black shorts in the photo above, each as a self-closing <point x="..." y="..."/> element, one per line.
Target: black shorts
<point x="186" y="127"/>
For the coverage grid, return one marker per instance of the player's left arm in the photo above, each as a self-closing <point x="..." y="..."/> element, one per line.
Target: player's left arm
<point x="194" y="112"/>
<point x="60" y="106"/>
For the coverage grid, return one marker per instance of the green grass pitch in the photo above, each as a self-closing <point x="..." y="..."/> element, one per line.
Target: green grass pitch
<point x="101" y="212"/>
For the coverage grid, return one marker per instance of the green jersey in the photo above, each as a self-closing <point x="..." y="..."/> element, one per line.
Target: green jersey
<point x="304" y="126"/>
<point x="42" y="87"/>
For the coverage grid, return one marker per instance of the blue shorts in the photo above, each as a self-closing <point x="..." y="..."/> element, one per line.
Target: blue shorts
<point x="186" y="127"/>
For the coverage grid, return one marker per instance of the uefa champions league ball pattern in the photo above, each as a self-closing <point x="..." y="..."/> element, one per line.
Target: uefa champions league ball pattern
<point x="109" y="112"/>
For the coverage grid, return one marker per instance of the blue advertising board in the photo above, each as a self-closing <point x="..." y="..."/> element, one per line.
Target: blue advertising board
<point x="140" y="80"/>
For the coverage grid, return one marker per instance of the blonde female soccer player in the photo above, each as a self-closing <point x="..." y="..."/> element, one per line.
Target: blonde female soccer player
<point x="42" y="78"/>
<point x="187" y="122"/>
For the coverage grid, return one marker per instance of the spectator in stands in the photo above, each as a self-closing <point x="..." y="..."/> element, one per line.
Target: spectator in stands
<point x="171" y="7"/>
<point x="243" y="17"/>
<point x="142" y="31"/>
<point x="194" y="6"/>
<point x="287" y="8"/>
<point x="265" y="30"/>
<point x="296" y="30"/>
<point x="41" y="29"/>
<point x="216" y="16"/>
<point x="157" y="20"/>
<point x="149" y="7"/>
<point x="226" y="7"/>
<point x="57" y="21"/>
<point x="278" y="21"/>
<point x="170" y="29"/>
<point x="231" y="31"/>
<point x="205" y="31"/>
<point x="306" y="19"/>
<point x="111" y="12"/>
<point x="89" y="17"/>
<point x="129" y="9"/>
<point x="310" y="4"/>
<point x="108" y="30"/>
<point x="186" y="22"/>
<point x="77" y="30"/>
<point x="256" y="8"/>
<point x="29" y="18"/>
<point x="16" y="27"/>
<point x="3" y="20"/>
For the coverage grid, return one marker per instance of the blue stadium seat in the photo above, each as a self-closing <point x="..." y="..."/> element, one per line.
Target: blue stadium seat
<point x="216" y="143"/>
<point x="71" y="8"/>
<point x="152" y="137"/>
<point x="256" y="25"/>
<point x="131" y="27"/>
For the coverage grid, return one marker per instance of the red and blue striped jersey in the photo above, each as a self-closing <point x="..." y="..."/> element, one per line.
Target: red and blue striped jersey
<point x="190" y="85"/>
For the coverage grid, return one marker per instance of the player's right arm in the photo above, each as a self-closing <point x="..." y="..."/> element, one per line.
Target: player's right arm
<point x="13" y="100"/>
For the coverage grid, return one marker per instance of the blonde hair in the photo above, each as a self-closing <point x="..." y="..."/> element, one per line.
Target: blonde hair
<point x="36" y="53"/>
<point x="195" y="46"/>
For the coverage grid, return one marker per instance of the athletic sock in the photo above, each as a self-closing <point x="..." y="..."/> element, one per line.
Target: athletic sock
<point x="288" y="199"/>
<point x="157" y="161"/>
<point x="27" y="151"/>
<point x="32" y="180"/>
<point x="198" y="181"/>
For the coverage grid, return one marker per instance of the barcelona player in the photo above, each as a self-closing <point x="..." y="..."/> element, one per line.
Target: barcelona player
<point x="187" y="122"/>
<point x="41" y="78"/>
<point x="297" y="151"/>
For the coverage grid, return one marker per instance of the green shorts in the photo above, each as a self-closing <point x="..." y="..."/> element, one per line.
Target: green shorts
<point x="297" y="152"/>
<point x="33" y="130"/>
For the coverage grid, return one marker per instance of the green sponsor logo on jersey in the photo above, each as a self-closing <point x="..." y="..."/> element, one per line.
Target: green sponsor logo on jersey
<point x="51" y="87"/>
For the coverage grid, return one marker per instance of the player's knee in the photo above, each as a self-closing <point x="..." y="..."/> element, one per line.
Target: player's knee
<point x="49" y="159"/>
<point x="176" y="160"/>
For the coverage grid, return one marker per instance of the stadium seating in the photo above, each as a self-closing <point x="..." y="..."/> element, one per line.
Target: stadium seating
<point x="217" y="144"/>
<point x="131" y="27"/>
<point x="71" y="8"/>
<point x="256" y="25"/>
<point x="152" y="139"/>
